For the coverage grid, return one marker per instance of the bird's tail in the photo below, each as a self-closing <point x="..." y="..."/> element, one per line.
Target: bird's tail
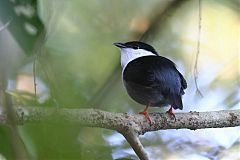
<point x="176" y="101"/>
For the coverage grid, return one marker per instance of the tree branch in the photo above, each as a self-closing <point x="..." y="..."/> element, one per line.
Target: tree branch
<point x="122" y="121"/>
<point x="133" y="139"/>
<point x="130" y="126"/>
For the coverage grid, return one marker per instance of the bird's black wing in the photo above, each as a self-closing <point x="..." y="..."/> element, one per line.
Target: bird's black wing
<point x="157" y="72"/>
<point x="183" y="83"/>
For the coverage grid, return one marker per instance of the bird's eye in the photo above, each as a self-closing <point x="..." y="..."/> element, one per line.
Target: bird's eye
<point x="135" y="47"/>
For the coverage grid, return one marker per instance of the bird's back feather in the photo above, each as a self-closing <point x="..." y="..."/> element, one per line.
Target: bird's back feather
<point x="160" y="75"/>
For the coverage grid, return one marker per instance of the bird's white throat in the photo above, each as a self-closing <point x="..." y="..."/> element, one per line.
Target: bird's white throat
<point x="129" y="54"/>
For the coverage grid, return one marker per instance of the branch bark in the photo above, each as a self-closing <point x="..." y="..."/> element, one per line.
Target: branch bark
<point x="133" y="139"/>
<point x="130" y="126"/>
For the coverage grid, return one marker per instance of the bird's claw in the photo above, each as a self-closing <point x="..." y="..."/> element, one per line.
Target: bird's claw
<point x="171" y="114"/>
<point x="146" y="115"/>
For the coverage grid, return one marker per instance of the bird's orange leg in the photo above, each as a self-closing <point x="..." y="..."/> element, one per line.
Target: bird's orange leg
<point x="170" y="113"/>
<point x="145" y="113"/>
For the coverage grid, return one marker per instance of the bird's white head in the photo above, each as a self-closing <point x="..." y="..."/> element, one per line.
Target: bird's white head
<point x="133" y="50"/>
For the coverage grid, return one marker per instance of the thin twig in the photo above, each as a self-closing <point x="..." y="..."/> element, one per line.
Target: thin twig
<point x="198" y="48"/>
<point x="34" y="78"/>
<point x="5" y="25"/>
<point x="38" y="50"/>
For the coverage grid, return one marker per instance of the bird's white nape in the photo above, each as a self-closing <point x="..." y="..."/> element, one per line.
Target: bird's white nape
<point x="129" y="54"/>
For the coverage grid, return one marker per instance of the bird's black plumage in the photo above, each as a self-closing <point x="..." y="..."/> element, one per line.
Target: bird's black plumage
<point x="150" y="79"/>
<point x="140" y="45"/>
<point x="154" y="81"/>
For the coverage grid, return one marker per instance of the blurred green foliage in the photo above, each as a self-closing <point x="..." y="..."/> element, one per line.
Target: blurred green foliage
<point x="25" y="26"/>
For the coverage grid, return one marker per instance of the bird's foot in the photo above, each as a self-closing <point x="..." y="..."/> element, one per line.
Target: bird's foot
<point x="146" y="115"/>
<point x="171" y="114"/>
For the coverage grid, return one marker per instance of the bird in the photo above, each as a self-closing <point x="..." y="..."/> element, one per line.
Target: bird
<point x="150" y="79"/>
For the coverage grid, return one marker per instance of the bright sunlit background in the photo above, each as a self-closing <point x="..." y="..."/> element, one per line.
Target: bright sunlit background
<point x="78" y="66"/>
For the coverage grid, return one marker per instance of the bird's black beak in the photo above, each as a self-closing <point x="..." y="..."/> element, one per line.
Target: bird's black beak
<point x="119" y="45"/>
